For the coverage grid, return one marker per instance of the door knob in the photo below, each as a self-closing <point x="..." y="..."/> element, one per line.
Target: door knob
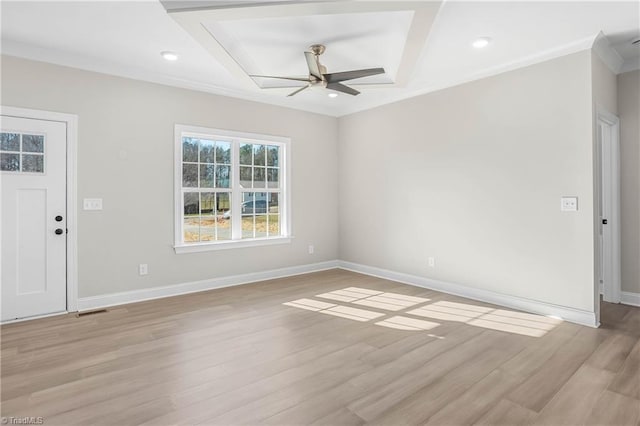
<point x="58" y="218"/>
<point x="59" y="231"/>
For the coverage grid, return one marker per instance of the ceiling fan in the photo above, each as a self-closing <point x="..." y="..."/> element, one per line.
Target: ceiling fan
<point x="318" y="75"/>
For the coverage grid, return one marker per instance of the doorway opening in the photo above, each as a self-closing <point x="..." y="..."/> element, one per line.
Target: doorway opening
<point x="608" y="267"/>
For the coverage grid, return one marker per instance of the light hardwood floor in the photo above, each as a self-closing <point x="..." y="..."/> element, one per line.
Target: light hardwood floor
<point x="238" y="356"/>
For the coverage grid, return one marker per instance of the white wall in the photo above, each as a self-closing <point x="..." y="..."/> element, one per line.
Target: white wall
<point x="125" y="156"/>
<point x="473" y="176"/>
<point x="629" y="112"/>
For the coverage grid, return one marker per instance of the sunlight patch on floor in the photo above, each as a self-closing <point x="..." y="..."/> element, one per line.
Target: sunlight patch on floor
<point x="372" y="298"/>
<point x="406" y="323"/>
<point x="495" y="319"/>
<point x="474" y="315"/>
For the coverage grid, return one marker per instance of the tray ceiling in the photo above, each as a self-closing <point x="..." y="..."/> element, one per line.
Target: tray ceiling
<point x="270" y="39"/>
<point x="431" y="52"/>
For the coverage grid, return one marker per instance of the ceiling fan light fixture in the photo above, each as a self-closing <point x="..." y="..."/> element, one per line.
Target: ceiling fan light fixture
<point x="169" y="56"/>
<point x="481" y="42"/>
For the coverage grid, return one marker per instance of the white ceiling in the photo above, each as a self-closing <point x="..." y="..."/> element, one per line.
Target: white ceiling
<point x="125" y="38"/>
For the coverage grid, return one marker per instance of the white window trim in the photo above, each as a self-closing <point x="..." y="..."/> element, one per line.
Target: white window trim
<point x="285" y="173"/>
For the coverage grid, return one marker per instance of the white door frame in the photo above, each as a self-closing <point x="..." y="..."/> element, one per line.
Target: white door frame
<point x="611" y="245"/>
<point x="71" y="121"/>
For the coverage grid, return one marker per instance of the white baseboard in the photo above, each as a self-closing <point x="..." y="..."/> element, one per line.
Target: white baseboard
<point x="103" y="301"/>
<point x="629" y="298"/>
<point x="566" y="313"/>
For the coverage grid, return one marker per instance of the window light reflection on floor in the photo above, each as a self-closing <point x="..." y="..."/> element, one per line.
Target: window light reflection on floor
<point x="474" y="315"/>
<point x="374" y="299"/>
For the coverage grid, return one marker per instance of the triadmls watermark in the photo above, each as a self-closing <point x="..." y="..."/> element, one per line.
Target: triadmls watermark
<point x="11" y="420"/>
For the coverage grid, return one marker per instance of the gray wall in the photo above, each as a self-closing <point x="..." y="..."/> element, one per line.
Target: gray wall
<point x="125" y="156"/>
<point x="473" y="176"/>
<point x="629" y="113"/>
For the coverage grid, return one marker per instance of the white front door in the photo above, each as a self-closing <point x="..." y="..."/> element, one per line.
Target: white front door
<point x="34" y="237"/>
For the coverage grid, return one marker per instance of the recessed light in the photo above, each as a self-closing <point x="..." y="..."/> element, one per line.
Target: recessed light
<point x="333" y="95"/>
<point x="481" y="42"/>
<point x="169" y="56"/>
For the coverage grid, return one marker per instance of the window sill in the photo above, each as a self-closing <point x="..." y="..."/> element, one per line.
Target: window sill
<point x="226" y="245"/>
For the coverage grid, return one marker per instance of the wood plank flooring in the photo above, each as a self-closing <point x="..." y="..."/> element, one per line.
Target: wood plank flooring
<point x="349" y="350"/>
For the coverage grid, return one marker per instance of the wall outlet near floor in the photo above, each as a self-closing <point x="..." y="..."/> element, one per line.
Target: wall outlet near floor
<point x="432" y="262"/>
<point x="311" y="249"/>
<point x="143" y="269"/>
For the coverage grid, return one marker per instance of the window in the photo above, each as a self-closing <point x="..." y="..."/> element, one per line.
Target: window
<point x="231" y="189"/>
<point x="21" y="153"/>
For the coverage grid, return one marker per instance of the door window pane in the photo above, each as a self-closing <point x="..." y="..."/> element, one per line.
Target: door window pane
<point x="32" y="163"/>
<point x="9" y="162"/>
<point x="9" y="142"/>
<point x="32" y="143"/>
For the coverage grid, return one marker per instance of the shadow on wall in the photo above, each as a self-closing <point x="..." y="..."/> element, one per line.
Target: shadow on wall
<point x="411" y="307"/>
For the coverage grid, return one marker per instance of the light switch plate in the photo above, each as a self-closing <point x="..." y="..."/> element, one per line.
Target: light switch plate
<point x="92" y="203"/>
<point x="569" y="204"/>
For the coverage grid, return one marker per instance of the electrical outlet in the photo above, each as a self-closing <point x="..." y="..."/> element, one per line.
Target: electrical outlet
<point x="569" y="204"/>
<point x="311" y="249"/>
<point x="432" y="262"/>
<point x="92" y="204"/>
<point x="143" y="269"/>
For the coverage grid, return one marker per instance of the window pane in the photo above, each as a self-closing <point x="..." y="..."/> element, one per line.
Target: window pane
<point x="247" y="226"/>
<point x="273" y="154"/>
<point x="223" y="206"/>
<point x="207" y="216"/>
<point x="206" y="175"/>
<point x="207" y="151"/>
<point x="10" y="162"/>
<point x="274" y="202"/>
<point x="222" y="176"/>
<point x="33" y="163"/>
<point x="273" y="215"/>
<point x="191" y="227"/>
<point x="273" y="178"/>
<point x="223" y="152"/>
<point x="190" y="149"/>
<point x="274" y="225"/>
<point x="245" y="177"/>
<point x="32" y="143"/>
<point x="190" y="175"/>
<point x="207" y="203"/>
<point x="259" y="154"/>
<point x="246" y="154"/>
<point x="9" y="142"/>
<point x="224" y="202"/>
<point x="258" y="177"/>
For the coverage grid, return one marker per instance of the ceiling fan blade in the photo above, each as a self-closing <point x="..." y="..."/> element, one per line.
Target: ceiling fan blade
<point x="298" y="91"/>
<point x="337" y="77"/>
<point x="282" y="78"/>
<point x="312" y="63"/>
<point x="339" y="87"/>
